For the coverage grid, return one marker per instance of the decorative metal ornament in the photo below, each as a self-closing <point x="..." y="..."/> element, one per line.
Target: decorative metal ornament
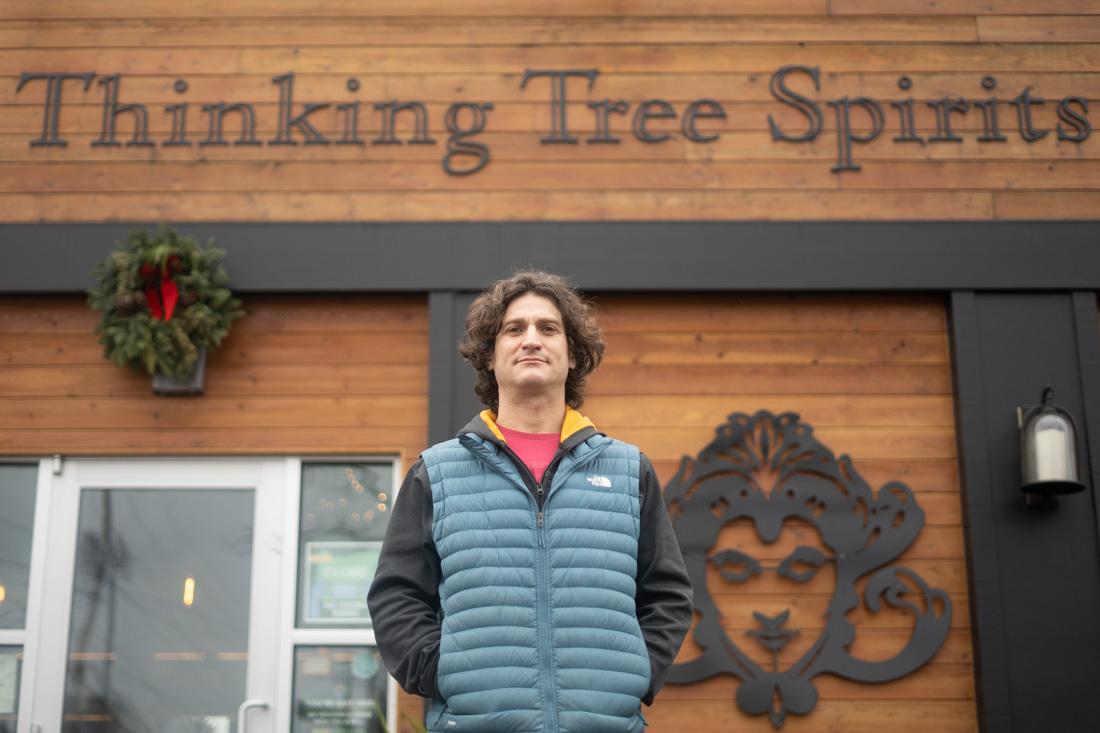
<point x="768" y="469"/>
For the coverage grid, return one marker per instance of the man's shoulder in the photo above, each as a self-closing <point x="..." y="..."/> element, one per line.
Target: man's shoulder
<point x="446" y="450"/>
<point x="622" y="445"/>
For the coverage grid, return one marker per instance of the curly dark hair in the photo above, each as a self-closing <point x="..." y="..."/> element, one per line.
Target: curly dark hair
<point x="483" y="321"/>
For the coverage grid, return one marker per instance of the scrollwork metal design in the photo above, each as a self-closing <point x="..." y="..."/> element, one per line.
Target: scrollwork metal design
<point x="768" y="470"/>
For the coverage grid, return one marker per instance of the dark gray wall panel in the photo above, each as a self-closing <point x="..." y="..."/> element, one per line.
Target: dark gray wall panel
<point x="597" y="255"/>
<point x="1035" y="575"/>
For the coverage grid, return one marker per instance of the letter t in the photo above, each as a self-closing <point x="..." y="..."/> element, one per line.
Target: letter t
<point x="52" y="109"/>
<point x="560" y="131"/>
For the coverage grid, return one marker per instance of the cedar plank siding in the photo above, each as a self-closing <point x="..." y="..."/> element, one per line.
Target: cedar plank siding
<point x="316" y="375"/>
<point x="348" y="374"/>
<point x="299" y="376"/>
<point x="441" y="53"/>
<point x="871" y="374"/>
<point x="306" y="375"/>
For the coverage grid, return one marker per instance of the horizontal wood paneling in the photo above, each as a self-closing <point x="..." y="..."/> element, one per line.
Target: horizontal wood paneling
<point x="742" y="176"/>
<point x="300" y="376"/>
<point x="610" y="59"/>
<point x="752" y="145"/>
<point x="504" y="89"/>
<point x="1063" y="204"/>
<point x="963" y="7"/>
<point x="872" y="376"/>
<point x="441" y="53"/>
<point x="1017" y="28"/>
<point x="299" y="9"/>
<point x="948" y="716"/>
<point x="435" y="30"/>
<point x="502" y="205"/>
<point x="297" y="375"/>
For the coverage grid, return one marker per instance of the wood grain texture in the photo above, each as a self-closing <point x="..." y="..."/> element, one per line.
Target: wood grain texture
<point x="963" y="7"/>
<point x="520" y="124"/>
<point x="432" y="29"/>
<point x="304" y="9"/>
<point x="501" y="205"/>
<point x="1017" y="28"/>
<point x="441" y="53"/>
<point x="503" y="88"/>
<point x="312" y="374"/>
<point x="610" y="59"/>
<point x="872" y="376"/>
<point x="315" y="374"/>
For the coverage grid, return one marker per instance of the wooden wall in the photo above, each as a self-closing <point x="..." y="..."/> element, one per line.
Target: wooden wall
<point x="348" y="374"/>
<point x="441" y="52"/>
<point x="297" y="375"/>
<point x="871" y="374"/>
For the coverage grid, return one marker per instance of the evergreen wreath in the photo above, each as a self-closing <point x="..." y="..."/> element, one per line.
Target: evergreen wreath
<point x="163" y="298"/>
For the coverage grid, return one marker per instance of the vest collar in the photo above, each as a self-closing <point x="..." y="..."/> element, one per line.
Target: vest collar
<point x="575" y="428"/>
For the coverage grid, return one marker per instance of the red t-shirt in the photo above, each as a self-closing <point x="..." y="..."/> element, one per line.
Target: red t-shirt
<point x="534" y="449"/>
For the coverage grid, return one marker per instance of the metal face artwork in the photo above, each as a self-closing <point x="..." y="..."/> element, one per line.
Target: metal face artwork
<point x="769" y="476"/>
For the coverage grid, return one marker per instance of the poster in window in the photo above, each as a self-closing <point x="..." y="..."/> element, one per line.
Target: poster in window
<point x="338" y="576"/>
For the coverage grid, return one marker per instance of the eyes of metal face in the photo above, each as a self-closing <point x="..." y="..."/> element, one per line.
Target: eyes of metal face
<point x="735" y="566"/>
<point x="800" y="566"/>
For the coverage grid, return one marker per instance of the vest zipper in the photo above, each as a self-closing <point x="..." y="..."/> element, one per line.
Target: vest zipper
<point x="542" y="612"/>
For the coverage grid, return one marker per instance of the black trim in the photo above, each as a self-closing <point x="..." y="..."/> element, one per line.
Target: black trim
<point x="654" y="256"/>
<point x="1034" y="573"/>
<point x="1087" y="321"/>
<point x="990" y="645"/>
<point x="452" y="401"/>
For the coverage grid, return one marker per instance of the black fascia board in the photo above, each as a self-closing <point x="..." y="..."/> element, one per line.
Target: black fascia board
<point x="603" y="256"/>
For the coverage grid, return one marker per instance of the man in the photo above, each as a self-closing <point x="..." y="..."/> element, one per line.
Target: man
<point x="530" y="580"/>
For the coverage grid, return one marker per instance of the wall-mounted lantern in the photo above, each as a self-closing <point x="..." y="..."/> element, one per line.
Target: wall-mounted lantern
<point x="1048" y="452"/>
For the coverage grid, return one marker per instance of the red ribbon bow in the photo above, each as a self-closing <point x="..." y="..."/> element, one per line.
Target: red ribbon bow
<point x="162" y="296"/>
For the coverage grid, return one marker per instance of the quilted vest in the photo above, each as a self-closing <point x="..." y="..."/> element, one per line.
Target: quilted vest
<point x="539" y="627"/>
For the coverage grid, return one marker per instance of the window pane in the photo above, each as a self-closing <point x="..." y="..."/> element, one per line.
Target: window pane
<point x="11" y="665"/>
<point x="159" y="633"/>
<point x="344" y="512"/>
<point x="18" y="485"/>
<point x="339" y="689"/>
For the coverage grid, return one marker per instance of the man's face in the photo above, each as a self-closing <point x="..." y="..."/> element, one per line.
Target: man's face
<point x="531" y="354"/>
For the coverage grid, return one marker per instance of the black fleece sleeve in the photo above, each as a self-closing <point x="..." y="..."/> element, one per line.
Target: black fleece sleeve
<point x="664" y="597"/>
<point x="404" y="597"/>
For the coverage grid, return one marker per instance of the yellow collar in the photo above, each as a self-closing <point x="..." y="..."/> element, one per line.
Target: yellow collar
<point x="573" y="422"/>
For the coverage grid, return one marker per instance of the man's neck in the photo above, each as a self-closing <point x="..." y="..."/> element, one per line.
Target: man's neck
<point x="535" y="415"/>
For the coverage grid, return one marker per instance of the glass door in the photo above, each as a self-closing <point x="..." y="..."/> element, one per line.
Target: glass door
<point x="162" y="597"/>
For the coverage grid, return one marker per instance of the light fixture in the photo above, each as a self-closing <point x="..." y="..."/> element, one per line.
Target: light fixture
<point x="1048" y="452"/>
<point x="188" y="591"/>
<point x="3" y="593"/>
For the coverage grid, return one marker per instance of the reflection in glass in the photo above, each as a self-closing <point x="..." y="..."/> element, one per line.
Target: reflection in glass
<point x="140" y="658"/>
<point x="344" y="513"/>
<point x="18" y="485"/>
<point x="11" y="665"/>
<point x="339" y="689"/>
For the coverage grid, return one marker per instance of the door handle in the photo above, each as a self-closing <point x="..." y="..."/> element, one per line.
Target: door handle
<point x="242" y="712"/>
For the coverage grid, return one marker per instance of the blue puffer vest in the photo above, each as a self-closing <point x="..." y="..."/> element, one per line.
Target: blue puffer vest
<point x="540" y="631"/>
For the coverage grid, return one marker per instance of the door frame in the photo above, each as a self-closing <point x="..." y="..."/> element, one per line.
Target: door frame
<point x="273" y="635"/>
<point x="47" y="645"/>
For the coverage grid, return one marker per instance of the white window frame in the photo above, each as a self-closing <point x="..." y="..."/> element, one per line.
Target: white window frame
<point x="288" y="636"/>
<point x="291" y="635"/>
<point x="26" y="636"/>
